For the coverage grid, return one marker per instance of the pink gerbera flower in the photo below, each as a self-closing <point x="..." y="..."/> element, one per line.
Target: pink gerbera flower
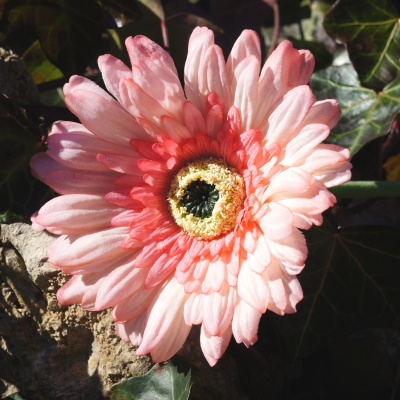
<point x="183" y="207"/>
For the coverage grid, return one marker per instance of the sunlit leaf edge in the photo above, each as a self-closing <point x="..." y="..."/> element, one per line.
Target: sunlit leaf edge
<point x="366" y="115"/>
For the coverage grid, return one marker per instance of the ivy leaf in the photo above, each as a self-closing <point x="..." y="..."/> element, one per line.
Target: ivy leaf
<point x="125" y="7"/>
<point x="21" y="194"/>
<point x="371" y="31"/>
<point x="366" y="115"/>
<point x="155" y="6"/>
<point x="14" y="396"/>
<point x="39" y="66"/>
<point x="159" y="383"/>
<point x="351" y="281"/>
<point x="69" y="31"/>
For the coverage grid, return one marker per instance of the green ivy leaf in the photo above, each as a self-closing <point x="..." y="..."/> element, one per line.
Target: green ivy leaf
<point x="371" y="31"/>
<point x="155" y="6"/>
<point x="366" y="115"/>
<point x="69" y="31"/>
<point x="39" y="66"/>
<point x="21" y="194"/>
<point x="158" y="384"/>
<point x="14" y="396"/>
<point x="125" y="7"/>
<point x="351" y="280"/>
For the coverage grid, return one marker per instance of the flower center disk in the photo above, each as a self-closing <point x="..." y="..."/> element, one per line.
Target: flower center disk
<point x="206" y="197"/>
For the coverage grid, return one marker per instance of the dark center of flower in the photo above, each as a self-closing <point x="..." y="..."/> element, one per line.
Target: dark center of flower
<point x="206" y="197"/>
<point x="199" y="198"/>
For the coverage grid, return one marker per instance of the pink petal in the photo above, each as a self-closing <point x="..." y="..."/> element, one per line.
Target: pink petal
<point x="285" y="291"/>
<point x="292" y="249"/>
<point x="136" y="328"/>
<point x="121" y="331"/>
<point x="315" y="200"/>
<point x="194" y="120"/>
<point x="285" y="68"/>
<point x="113" y="70"/>
<point x="245" y="89"/>
<point x="35" y="226"/>
<point x="253" y="288"/>
<point x="193" y="309"/>
<point x="215" y="277"/>
<point x="214" y="346"/>
<point x="134" y="305"/>
<point x="160" y="83"/>
<point x="140" y="47"/>
<point x="68" y="251"/>
<point x="78" y="150"/>
<point x="132" y="330"/>
<point x="175" y="130"/>
<point x="248" y="44"/>
<point x="75" y="182"/>
<point x="42" y="165"/>
<point x="289" y="114"/>
<point x="329" y="164"/>
<point x="307" y="64"/>
<point x="200" y="40"/>
<point x="213" y="77"/>
<point x="67" y="180"/>
<point x="166" y="329"/>
<point x="90" y="104"/>
<point x="278" y="296"/>
<point x="290" y="181"/>
<point x="303" y="143"/>
<point x="245" y="323"/>
<point x="325" y="112"/>
<point x="218" y="310"/>
<point x="140" y="104"/>
<point x="75" y="213"/>
<point x="120" y="283"/>
<point x="214" y="115"/>
<point x="119" y="163"/>
<point x="277" y="222"/>
<point x="80" y="289"/>
<point x="162" y="269"/>
<point x="260" y="258"/>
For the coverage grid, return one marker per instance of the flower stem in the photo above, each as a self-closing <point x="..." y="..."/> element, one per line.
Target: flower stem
<point x="367" y="189"/>
<point x="274" y="39"/>
<point x="164" y="32"/>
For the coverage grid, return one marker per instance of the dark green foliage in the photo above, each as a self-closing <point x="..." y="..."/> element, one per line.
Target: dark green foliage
<point x="366" y="115"/>
<point x="340" y="342"/>
<point x="161" y="382"/>
<point x="371" y="32"/>
<point x="21" y="195"/>
<point x="350" y="282"/>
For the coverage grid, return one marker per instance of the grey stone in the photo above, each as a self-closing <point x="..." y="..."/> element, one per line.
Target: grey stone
<point x="32" y="246"/>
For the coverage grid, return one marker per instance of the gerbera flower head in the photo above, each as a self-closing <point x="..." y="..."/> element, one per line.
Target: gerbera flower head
<point x="181" y="207"/>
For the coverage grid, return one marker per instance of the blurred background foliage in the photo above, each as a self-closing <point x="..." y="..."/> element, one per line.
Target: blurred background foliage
<point x="344" y="341"/>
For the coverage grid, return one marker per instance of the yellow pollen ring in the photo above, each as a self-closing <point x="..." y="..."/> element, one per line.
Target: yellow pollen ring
<point x="230" y="186"/>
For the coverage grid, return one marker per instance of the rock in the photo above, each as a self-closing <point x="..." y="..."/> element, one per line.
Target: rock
<point x="15" y="82"/>
<point x="32" y="246"/>
<point x="48" y="351"/>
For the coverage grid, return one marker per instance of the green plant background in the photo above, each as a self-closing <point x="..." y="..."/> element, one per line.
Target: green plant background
<point x="344" y="340"/>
